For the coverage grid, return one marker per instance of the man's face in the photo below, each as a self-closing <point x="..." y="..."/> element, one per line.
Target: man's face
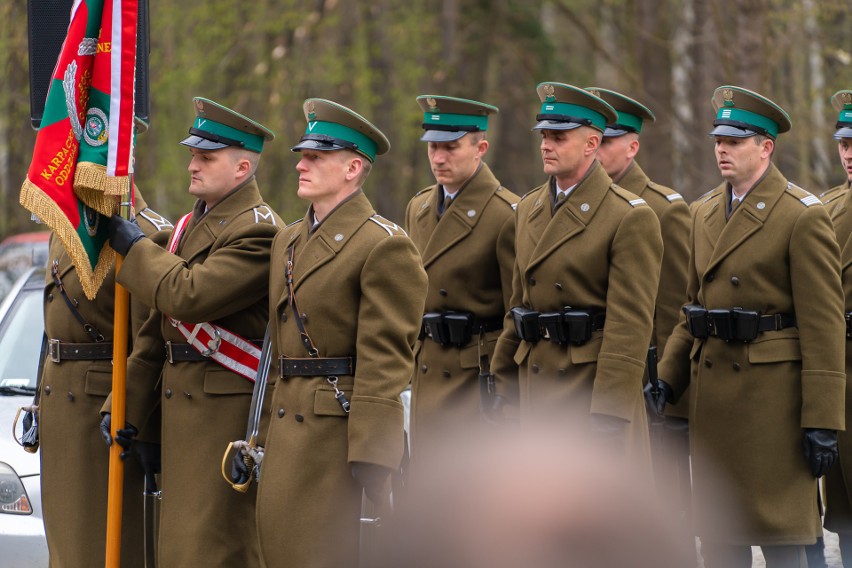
<point x="617" y="152"/>
<point x="213" y="174"/>
<point x="740" y="159"/>
<point x="454" y="162"/>
<point x="321" y="173"/>
<point x="562" y="151"/>
<point x="844" y="147"/>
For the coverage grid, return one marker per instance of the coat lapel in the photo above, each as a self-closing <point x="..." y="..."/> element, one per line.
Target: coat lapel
<point x="574" y="215"/>
<point x="204" y="228"/>
<point x="330" y="237"/>
<point x="749" y="216"/>
<point x="458" y="222"/>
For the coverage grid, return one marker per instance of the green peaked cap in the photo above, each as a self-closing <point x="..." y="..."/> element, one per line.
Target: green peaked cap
<point x="842" y="102"/>
<point x="565" y="107"/>
<point x="449" y="118"/>
<point x="631" y="114"/>
<point x="216" y="126"/>
<point x="332" y="126"/>
<point x="742" y="113"/>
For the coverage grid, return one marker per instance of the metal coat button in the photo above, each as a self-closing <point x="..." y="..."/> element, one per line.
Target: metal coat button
<point x="442" y="292"/>
<point x="532" y="281"/>
<point x="424" y="368"/>
<point x="736" y="366"/>
<point x="280" y="413"/>
<point x="735" y="281"/>
<point x="299" y="418"/>
<point x="708" y="363"/>
<point x="534" y="368"/>
<point x="50" y="297"/>
<point x="47" y="389"/>
<point x="711" y="277"/>
<point x="168" y="393"/>
<point x="446" y="373"/>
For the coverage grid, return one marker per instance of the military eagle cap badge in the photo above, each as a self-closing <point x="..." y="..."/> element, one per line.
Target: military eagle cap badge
<point x="549" y="93"/>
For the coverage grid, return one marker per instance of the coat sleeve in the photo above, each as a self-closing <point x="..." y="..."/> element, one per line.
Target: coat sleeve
<point x="634" y="273"/>
<point x="674" y="367"/>
<point x="674" y="225"/>
<point x="389" y="316"/>
<point x="208" y="290"/>
<point x="818" y="304"/>
<point x="503" y="361"/>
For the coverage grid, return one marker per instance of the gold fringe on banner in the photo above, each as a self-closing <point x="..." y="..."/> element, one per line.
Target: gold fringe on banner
<point x="37" y="202"/>
<point x="96" y="189"/>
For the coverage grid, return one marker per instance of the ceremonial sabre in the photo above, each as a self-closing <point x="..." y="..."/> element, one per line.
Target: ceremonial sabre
<point x="248" y="447"/>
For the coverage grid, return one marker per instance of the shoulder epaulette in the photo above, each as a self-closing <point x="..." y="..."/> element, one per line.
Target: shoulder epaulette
<point x="706" y="196"/>
<point x="803" y="195"/>
<point x="264" y="214"/>
<point x="425" y="189"/>
<point x="509" y="197"/>
<point x="629" y="197"/>
<point x="155" y="219"/>
<point x="670" y="194"/>
<point x="389" y="226"/>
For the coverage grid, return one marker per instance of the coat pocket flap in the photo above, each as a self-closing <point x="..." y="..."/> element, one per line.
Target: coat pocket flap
<point x="521" y="352"/>
<point x="226" y="382"/>
<point x="98" y="382"/>
<point x="775" y="351"/>
<point x="325" y="404"/>
<point x="587" y="352"/>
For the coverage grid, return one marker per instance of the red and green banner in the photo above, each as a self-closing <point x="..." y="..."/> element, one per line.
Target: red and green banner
<point x="83" y="152"/>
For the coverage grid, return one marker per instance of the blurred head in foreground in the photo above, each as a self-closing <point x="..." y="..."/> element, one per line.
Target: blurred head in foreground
<point x="537" y="500"/>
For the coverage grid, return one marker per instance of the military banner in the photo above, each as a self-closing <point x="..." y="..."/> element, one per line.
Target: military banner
<point x="91" y="83"/>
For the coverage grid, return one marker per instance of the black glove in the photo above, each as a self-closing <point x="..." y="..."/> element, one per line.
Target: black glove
<point x="123" y="234"/>
<point x="656" y="396"/>
<point x="147" y="455"/>
<point x="374" y="479"/>
<point x="240" y="472"/>
<point x="124" y="436"/>
<point x="820" y="450"/>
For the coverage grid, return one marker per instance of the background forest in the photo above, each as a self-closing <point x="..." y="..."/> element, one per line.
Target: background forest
<point x="266" y="56"/>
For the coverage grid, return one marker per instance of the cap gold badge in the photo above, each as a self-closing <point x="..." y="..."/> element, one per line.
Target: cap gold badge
<point x="728" y="94"/>
<point x="549" y="93"/>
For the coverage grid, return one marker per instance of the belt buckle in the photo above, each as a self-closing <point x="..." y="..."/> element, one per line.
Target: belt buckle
<point x="169" y="356"/>
<point x="214" y="344"/>
<point x="711" y="327"/>
<point x="778" y="322"/>
<point x="54" y="351"/>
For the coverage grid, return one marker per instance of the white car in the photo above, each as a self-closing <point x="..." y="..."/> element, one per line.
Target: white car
<point x="22" y="540"/>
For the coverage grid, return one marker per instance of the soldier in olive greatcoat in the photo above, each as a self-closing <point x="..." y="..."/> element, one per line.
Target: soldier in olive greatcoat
<point x="587" y="268"/>
<point x="838" y="481"/>
<point x="760" y="346"/>
<point x="76" y="381"/>
<point x="198" y="353"/>
<point x="346" y="295"/>
<point x="463" y="227"/>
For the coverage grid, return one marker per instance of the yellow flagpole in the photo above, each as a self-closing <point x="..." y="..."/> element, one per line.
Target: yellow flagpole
<point x="119" y="393"/>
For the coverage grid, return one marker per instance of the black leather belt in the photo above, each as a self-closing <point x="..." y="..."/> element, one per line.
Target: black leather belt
<point x="735" y="324"/>
<point x="456" y="328"/>
<point x="181" y="352"/>
<point x="317" y="366"/>
<point x="59" y="351"/>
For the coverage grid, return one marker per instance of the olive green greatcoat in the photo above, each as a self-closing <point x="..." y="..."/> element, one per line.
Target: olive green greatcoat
<point x="749" y="402"/>
<point x="833" y="197"/>
<point x="600" y="250"/>
<point x="468" y="254"/>
<point x="359" y="283"/>
<point x="74" y="458"/>
<point x="673" y="213"/>
<point x="838" y="497"/>
<point x="220" y="274"/>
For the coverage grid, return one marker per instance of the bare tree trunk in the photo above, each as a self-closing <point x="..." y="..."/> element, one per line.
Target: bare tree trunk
<point x="683" y="72"/>
<point x="818" y="128"/>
